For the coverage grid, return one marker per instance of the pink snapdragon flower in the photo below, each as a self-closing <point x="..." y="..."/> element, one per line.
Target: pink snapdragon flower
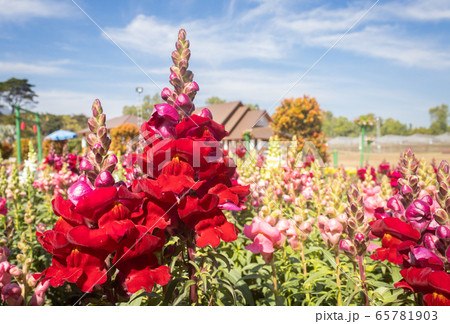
<point x="12" y="294"/>
<point x="330" y="230"/>
<point x="372" y="201"/>
<point x="265" y="238"/>
<point x="5" y="276"/>
<point x="38" y="297"/>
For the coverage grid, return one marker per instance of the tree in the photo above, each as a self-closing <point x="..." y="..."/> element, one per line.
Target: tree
<point x="147" y="107"/>
<point x="121" y="135"/>
<point x="214" y="100"/>
<point x="16" y="92"/>
<point x="252" y="106"/>
<point x="338" y="126"/>
<point x="301" y="117"/>
<point x="420" y="130"/>
<point x="438" y="116"/>
<point x="393" y="127"/>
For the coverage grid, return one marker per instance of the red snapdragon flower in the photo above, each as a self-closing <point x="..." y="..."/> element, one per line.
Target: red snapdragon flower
<point x="435" y="285"/>
<point x="93" y="227"/>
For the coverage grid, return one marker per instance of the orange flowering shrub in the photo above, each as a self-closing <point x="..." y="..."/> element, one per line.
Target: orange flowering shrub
<point x="121" y="135"/>
<point x="301" y="117"/>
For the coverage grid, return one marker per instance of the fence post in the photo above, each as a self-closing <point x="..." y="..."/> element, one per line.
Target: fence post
<point x="363" y="134"/>
<point x="18" y="148"/>
<point x="38" y="124"/>
<point x="335" y="158"/>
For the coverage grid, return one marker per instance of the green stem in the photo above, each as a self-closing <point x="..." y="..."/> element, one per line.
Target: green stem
<point x="274" y="280"/>
<point x="305" y="270"/>
<point x="362" y="275"/>
<point x="338" y="277"/>
<point x="193" y="296"/>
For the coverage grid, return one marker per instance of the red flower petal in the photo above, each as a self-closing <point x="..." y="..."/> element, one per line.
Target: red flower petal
<point x="94" y="203"/>
<point x="211" y="230"/>
<point x="436" y="299"/>
<point x="93" y="238"/>
<point x="396" y="228"/>
<point x="64" y="208"/>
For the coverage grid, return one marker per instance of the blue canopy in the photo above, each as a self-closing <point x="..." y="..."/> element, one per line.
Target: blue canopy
<point x="61" y="135"/>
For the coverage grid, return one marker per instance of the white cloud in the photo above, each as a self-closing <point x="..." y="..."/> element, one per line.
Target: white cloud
<point x="40" y="68"/>
<point x="69" y="102"/>
<point x="17" y="10"/>
<point x="381" y="42"/>
<point x="419" y="10"/>
<point x="213" y="42"/>
<point x="272" y="31"/>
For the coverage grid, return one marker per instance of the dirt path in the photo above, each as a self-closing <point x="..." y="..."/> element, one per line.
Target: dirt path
<point x="352" y="159"/>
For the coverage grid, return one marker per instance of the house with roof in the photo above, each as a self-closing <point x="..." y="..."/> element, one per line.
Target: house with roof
<point x="239" y="119"/>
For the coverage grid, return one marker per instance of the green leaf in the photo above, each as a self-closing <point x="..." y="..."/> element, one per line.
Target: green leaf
<point x="185" y="293"/>
<point x="170" y="289"/>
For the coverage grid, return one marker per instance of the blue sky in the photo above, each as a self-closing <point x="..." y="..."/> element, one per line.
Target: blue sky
<point x="395" y="62"/>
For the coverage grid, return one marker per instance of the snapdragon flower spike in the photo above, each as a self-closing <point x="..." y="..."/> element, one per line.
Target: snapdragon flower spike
<point x="443" y="192"/>
<point x="98" y="159"/>
<point x="187" y="175"/>
<point x="357" y="227"/>
<point x="185" y="89"/>
<point x="412" y="238"/>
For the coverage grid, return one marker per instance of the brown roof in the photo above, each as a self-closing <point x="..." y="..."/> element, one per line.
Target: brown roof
<point x="115" y="122"/>
<point x="247" y="122"/>
<point x="238" y="118"/>
<point x="221" y="112"/>
<point x="263" y="133"/>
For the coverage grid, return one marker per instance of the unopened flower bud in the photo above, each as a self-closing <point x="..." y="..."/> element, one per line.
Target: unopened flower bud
<point x="175" y="57"/>
<point x="102" y="120"/>
<point x="359" y="237"/>
<point x="182" y="35"/>
<point x="191" y="87"/>
<point x="104" y="179"/>
<point x="206" y="113"/>
<point x="92" y="123"/>
<point x="91" y="139"/>
<point x="183" y="102"/>
<point x="186" y="54"/>
<point x="97" y="108"/>
<point x="173" y="76"/>
<point x="443" y="232"/>
<point x="178" y="45"/>
<point x="77" y="191"/>
<point x="440" y="216"/>
<point x="110" y="161"/>
<point x="166" y="93"/>
<point x="405" y="189"/>
<point x="85" y="165"/>
<point x="348" y="247"/>
<point x="352" y="223"/>
<point x="15" y="271"/>
<point x="102" y="133"/>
